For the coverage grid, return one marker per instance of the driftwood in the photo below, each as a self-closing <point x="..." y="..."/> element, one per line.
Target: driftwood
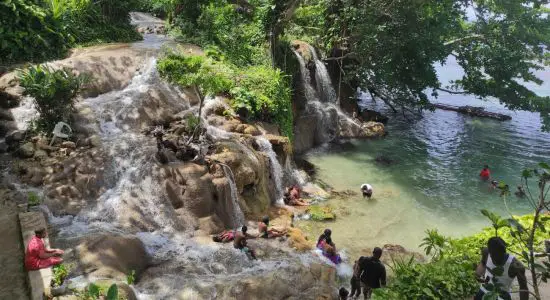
<point x="474" y="111"/>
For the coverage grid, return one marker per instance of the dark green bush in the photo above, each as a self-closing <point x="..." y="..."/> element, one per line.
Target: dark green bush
<point x="29" y="32"/>
<point x="263" y="91"/>
<point x="53" y="91"/>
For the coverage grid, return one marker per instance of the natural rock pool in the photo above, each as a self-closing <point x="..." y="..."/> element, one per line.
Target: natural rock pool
<point x="428" y="177"/>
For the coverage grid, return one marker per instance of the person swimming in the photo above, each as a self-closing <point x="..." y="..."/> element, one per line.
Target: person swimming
<point x="366" y="189"/>
<point x="485" y="173"/>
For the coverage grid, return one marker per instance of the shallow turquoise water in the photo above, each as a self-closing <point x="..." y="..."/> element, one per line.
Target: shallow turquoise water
<point x="433" y="182"/>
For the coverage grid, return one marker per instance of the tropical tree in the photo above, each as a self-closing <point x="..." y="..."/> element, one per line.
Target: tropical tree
<point x="395" y="44"/>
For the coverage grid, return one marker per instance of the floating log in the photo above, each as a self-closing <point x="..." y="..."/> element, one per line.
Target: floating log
<point x="474" y="111"/>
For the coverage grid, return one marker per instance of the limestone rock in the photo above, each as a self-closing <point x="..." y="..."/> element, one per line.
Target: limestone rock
<point x="26" y="150"/>
<point x="3" y="147"/>
<point x="94" y="141"/>
<point x="40" y="154"/>
<point x="15" y="137"/>
<point x="112" y="256"/>
<point x="68" y="144"/>
<point x="374" y="129"/>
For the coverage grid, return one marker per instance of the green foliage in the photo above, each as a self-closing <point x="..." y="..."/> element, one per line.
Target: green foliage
<point x="131" y="277"/>
<point x="53" y="92"/>
<point x="29" y="32"/>
<point x="395" y="45"/>
<point x="33" y="199"/>
<point x="37" y="31"/>
<point x="434" y="243"/>
<point x="261" y="91"/>
<point x="449" y="278"/>
<point x="96" y="292"/>
<point x="59" y="274"/>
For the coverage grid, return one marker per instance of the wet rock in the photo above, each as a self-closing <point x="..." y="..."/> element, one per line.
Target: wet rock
<point x="15" y="137"/>
<point x="374" y="129"/>
<point x="40" y="154"/>
<point x="94" y="141"/>
<point x="3" y="147"/>
<point x="68" y="144"/>
<point x="298" y="240"/>
<point x="218" y="268"/>
<point x="26" y="150"/>
<point x="112" y="256"/>
<point x="371" y="115"/>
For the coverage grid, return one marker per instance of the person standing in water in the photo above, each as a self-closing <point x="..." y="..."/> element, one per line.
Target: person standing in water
<point x="366" y="189"/>
<point x="485" y="174"/>
<point x="493" y="257"/>
<point x="240" y="242"/>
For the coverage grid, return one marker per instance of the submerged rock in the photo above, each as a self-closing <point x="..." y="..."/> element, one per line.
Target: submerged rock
<point x="111" y="256"/>
<point x="321" y="213"/>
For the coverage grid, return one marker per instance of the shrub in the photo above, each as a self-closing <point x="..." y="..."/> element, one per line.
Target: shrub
<point x="29" y="32"/>
<point x="53" y="92"/>
<point x="262" y="91"/>
<point x="33" y="199"/>
<point x="59" y="274"/>
<point x="450" y="278"/>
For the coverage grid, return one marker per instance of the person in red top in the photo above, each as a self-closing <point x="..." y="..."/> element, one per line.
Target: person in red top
<point x="37" y="256"/>
<point x="485" y="174"/>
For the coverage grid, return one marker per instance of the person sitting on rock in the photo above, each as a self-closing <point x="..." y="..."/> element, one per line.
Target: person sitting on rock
<point x="366" y="189"/>
<point x="294" y="197"/>
<point x="240" y="242"/>
<point x="325" y="240"/>
<point x="37" y="256"/>
<point x="330" y="253"/>
<point x="267" y="233"/>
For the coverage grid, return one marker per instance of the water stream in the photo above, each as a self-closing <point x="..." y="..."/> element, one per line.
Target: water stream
<point x="275" y="170"/>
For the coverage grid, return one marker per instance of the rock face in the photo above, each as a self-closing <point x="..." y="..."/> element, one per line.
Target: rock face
<point x="318" y="115"/>
<point x="111" y="256"/>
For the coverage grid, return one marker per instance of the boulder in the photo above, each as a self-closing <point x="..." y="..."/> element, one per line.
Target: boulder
<point x="94" y="141"/>
<point x="3" y="147"/>
<point x="26" y="150"/>
<point x="68" y="144"/>
<point x="374" y="129"/>
<point x="112" y="256"/>
<point x="40" y="154"/>
<point x="15" y="137"/>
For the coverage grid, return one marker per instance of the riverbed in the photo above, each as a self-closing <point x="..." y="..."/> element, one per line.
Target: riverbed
<point x="429" y="177"/>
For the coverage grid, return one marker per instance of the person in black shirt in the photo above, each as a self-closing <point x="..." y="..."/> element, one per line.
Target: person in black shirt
<point x="373" y="272"/>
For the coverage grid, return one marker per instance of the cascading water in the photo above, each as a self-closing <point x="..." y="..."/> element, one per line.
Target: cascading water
<point x="132" y="158"/>
<point x="322" y="78"/>
<point x="276" y="169"/>
<point x="237" y="213"/>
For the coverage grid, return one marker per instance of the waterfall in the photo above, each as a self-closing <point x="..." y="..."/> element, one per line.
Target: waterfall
<point x="276" y="170"/>
<point x="237" y="214"/>
<point x="322" y="78"/>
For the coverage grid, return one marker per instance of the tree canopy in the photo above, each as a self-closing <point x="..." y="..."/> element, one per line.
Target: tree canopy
<point x="395" y="44"/>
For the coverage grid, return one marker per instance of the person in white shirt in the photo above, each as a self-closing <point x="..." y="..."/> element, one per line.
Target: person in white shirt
<point x="366" y="189"/>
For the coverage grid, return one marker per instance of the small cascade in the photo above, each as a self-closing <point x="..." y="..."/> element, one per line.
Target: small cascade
<point x="237" y="213"/>
<point x="276" y="170"/>
<point x="322" y="78"/>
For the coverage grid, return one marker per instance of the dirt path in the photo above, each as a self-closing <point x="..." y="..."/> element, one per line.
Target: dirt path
<point x="13" y="284"/>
